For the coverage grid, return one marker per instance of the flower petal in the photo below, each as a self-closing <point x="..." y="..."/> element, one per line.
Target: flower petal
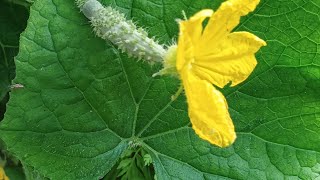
<point x="232" y="60"/>
<point x="224" y="20"/>
<point x="2" y="174"/>
<point x="208" y="111"/>
<point x="190" y="33"/>
<point x="193" y="27"/>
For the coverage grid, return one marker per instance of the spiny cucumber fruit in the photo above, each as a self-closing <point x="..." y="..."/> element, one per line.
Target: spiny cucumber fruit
<point x="109" y="24"/>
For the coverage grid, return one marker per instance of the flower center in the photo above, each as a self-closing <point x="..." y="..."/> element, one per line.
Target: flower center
<point x="169" y="62"/>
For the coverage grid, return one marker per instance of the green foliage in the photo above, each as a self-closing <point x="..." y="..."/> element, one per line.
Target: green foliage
<point x="84" y="103"/>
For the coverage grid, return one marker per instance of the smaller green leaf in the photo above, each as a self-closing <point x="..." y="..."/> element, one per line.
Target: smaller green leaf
<point x="127" y="153"/>
<point x="123" y="172"/>
<point x="146" y="170"/>
<point x="124" y="163"/>
<point x="134" y="173"/>
<point x="112" y="174"/>
<point x="147" y="159"/>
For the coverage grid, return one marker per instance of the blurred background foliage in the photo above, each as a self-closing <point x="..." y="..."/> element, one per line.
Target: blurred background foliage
<point x="13" y="20"/>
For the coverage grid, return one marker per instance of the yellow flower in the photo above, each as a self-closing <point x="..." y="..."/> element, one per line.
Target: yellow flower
<point x="3" y="175"/>
<point x="215" y="55"/>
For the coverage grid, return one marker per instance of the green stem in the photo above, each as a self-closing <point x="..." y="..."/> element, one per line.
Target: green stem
<point x="177" y="94"/>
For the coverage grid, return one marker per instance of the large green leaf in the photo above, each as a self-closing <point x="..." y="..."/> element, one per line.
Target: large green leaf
<point x="84" y="102"/>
